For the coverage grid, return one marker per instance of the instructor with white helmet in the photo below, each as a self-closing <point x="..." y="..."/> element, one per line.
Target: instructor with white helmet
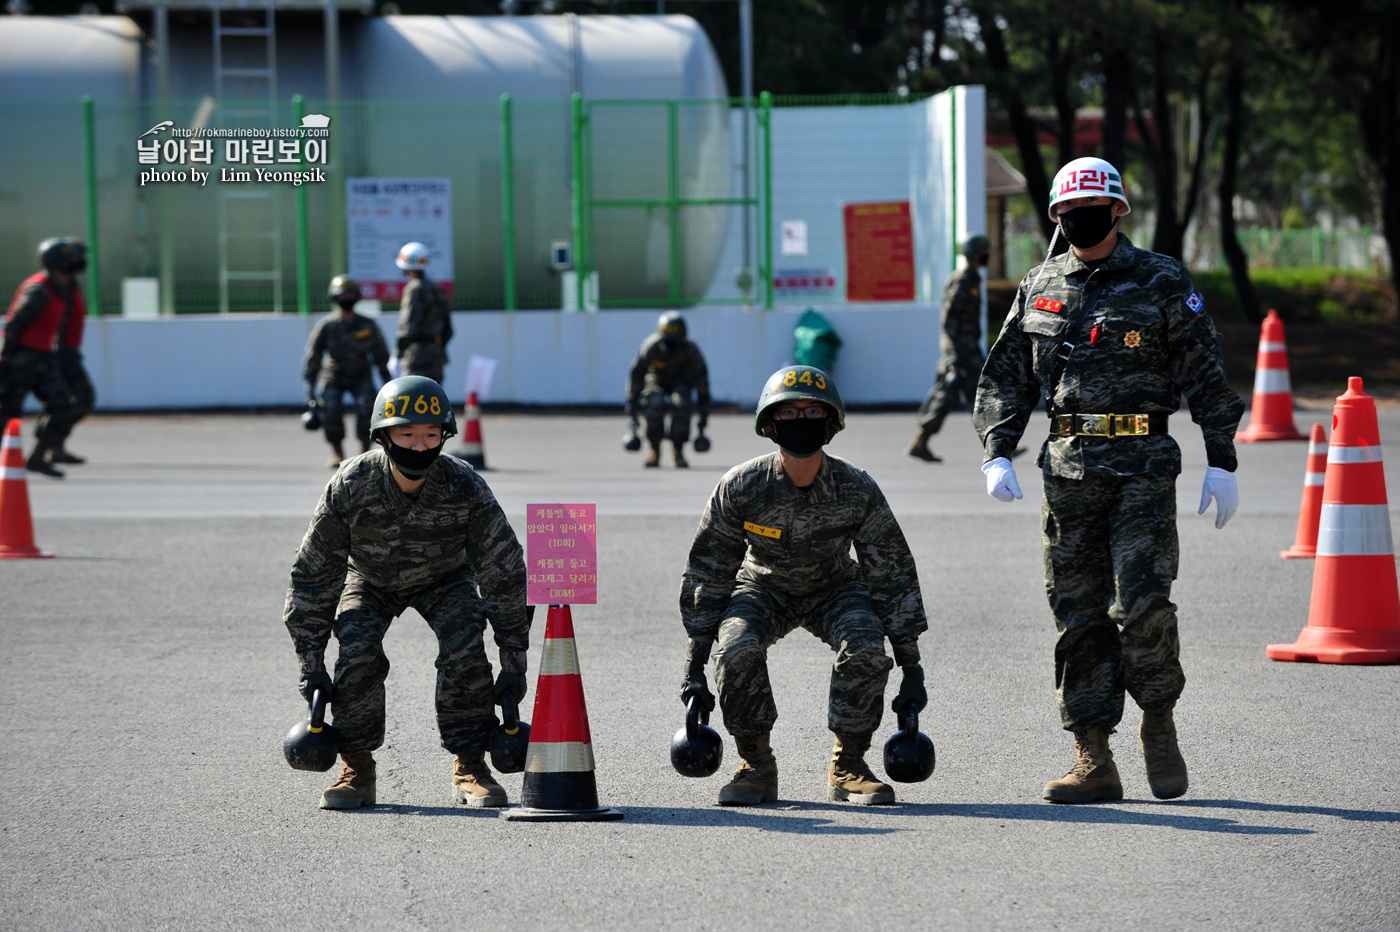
<point x="425" y="319"/>
<point x="1111" y="337"/>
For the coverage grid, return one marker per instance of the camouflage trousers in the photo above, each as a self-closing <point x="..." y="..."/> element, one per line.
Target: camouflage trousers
<point x="29" y="370"/>
<point x="333" y="391"/>
<point x="956" y="381"/>
<point x="654" y="405"/>
<point x="465" y="698"/>
<point x="1110" y="549"/>
<point x="423" y="359"/>
<point x="758" y="618"/>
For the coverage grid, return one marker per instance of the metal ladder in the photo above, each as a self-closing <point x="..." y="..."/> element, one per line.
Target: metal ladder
<point x="248" y="214"/>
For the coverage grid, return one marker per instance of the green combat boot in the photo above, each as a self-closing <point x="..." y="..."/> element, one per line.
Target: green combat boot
<point x="756" y="780"/>
<point x="1166" y="770"/>
<point x="472" y="783"/>
<point x="355" y="785"/>
<point x="850" y="779"/>
<point x="1093" y="777"/>
<point x="919" y="448"/>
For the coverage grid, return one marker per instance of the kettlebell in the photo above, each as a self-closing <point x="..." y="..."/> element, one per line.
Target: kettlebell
<point x="697" y="749"/>
<point x="311" y="420"/>
<point x="312" y="744"/>
<point x="702" y="443"/>
<point x="511" y="739"/>
<point x="631" y="442"/>
<point x="909" y="756"/>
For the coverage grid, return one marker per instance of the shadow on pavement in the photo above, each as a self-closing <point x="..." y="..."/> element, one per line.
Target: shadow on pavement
<point x="1112" y="814"/>
<point x="775" y="817"/>
<point x="1351" y="815"/>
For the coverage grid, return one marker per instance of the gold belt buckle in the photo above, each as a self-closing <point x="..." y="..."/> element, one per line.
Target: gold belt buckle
<point x="1130" y="425"/>
<point x="1095" y="425"/>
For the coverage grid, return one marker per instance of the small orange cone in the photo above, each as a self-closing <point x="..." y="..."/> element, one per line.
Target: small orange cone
<point x="1305" y="543"/>
<point x="1355" y="612"/>
<point x="16" y="524"/>
<point x="473" y="450"/>
<point x="1271" y="413"/>
<point x="559" y="784"/>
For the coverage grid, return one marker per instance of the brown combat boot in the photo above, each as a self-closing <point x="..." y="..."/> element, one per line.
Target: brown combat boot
<point x="337" y="455"/>
<point x="653" y="459"/>
<point x="919" y="448"/>
<point x="355" y="785"/>
<point x="678" y="456"/>
<point x="850" y="778"/>
<point x="1166" y="770"/>
<point x="472" y="783"/>
<point x="39" y="461"/>
<point x="756" y="780"/>
<point x="1093" y="777"/>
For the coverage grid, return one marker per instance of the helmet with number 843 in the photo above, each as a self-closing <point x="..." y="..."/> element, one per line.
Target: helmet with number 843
<point x="412" y="399"/>
<point x="792" y="383"/>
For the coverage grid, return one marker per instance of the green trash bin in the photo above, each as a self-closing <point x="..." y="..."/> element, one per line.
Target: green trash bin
<point x="816" y="341"/>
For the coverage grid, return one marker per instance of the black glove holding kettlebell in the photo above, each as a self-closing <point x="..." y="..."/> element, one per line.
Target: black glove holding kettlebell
<point x="694" y="686"/>
<point x="912" y="696"/>
<point x="512" y="678"/>
<point x="314" y="680"/>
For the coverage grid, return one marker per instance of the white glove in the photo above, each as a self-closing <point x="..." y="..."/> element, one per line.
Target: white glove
<point x="1220" y="485"/>
<point x="1001" y="479"/>
<point x="394" y="366"/>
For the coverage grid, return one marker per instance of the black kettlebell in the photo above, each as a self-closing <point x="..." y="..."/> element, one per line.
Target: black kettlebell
<point x="909" y="756"/>
<point x="311" y="420"/>
<point x="312" y="744"/>
<point x="702" y="443"/>
<point x="511" y="739"/>
<point x="697" y="749"/>
<point x="631" y="442"/>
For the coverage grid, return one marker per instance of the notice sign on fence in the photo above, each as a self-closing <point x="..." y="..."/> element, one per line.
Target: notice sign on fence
<point x="561" y="554"/>
<point x="879" y="252"/>
<point x="382" y="214"/>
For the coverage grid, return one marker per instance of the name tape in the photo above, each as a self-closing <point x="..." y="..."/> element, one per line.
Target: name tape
<point x="762" y="531"/>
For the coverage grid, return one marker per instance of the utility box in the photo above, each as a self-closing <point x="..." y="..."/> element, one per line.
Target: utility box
<point x="141" y="297"/>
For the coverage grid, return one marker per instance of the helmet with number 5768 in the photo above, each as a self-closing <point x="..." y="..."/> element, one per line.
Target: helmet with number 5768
<point x="412" y="399"/>
<point x="792" y="383"/>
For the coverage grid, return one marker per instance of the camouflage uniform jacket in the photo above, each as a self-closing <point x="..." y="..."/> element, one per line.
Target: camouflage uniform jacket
<point x="348" y="348"/>
<point x="962" y="315"/>
<point x="424" y="314"/>
<point x="666" y="367"/>
<point x="1155" y="344"/>
<point x="761" y="530"/>
<point x="400" y="544"/>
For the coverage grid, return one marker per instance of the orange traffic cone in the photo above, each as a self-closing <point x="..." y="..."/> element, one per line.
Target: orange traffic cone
<point x="559" y="784"/>
<point x="1271" y="413"/>
<point x="1305" y="542"/>
<point x="473" y="451"/>
<point x="1355" y="612"/>
<point x="16" y="524"/>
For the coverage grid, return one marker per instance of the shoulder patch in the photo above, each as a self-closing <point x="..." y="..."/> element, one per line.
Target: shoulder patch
<point x="1046" y="304"/>
<point x="1195" y="302"/>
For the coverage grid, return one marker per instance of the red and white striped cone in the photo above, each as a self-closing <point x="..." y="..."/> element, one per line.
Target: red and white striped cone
<point x="559" y="785"/>
<point x="1355" y="612"/>
<point x="1271" y="412"/>
<point x="473" y="450"/>
<point x="1305" y="541"/>
<point x="16" y="523"/>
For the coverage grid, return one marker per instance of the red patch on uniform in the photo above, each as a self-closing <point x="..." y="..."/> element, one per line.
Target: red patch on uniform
<point x="1045" y="304"/>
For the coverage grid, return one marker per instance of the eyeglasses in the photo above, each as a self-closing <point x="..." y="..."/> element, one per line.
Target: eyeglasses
<point x="787" y="413"/>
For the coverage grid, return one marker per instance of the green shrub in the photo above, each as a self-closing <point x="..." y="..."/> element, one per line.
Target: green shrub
<point x="1302" y="295"/>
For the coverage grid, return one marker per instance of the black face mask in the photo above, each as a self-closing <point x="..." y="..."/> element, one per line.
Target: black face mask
<point x="346" y="304"/>
<point x="1086" y="227"/>
<point x="802" y="437"/>
<point x="414" y="464"/>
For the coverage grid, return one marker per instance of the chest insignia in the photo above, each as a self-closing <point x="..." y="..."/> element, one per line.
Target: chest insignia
<point x="658" y="364"/>
<point x="762" y="531"/>
<point x="1132" y="339"/>
<point x="363" y="334"/>
<point x="1046" y="304"/>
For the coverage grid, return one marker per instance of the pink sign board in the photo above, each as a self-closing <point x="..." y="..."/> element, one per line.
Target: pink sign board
<point x="561" y="554"/>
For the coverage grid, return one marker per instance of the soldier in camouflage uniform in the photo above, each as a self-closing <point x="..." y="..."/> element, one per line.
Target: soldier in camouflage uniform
<point x="1111" y="336"/>
<point x="959" y="346"/>
<point x="772" y="554"/>
<point x="339" y="356"/>
<point x="425" y="318"/>
<point x="397" y="528"/>
<point x="668" y="368"/>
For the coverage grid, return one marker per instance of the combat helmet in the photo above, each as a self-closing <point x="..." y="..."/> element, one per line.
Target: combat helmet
<point x="975" y="245"/>
<point x="343" y="285"/>
<point x="671" y="326"/>
<point x="412" y="399"/>
<point x="63" y="254"/>
<point x="1086" y="177"/>
<point x="792" y="383"/>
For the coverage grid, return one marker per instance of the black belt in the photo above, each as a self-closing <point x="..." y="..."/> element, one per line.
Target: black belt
<point x="1107" y="425"/>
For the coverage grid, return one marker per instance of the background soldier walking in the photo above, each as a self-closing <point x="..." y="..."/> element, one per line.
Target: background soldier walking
<point x="1111" y="336"/>
<point x="772" y="554"/>
<point x="425" y="318"/>
<point x="340" y="356"/>
<point x="959" y="346"/>
<point x="667" y="370"/>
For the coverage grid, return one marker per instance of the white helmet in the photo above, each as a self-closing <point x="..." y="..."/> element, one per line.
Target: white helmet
<point x="1087" y="177"/>
<point x="413" y="256"/>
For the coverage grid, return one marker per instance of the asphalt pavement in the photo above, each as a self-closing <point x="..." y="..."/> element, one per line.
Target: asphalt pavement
<point x="146" y="681"/>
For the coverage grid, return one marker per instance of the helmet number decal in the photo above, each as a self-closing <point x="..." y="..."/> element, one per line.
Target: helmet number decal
<point x="423" y="404"/>
<point x="809" y="377"/>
